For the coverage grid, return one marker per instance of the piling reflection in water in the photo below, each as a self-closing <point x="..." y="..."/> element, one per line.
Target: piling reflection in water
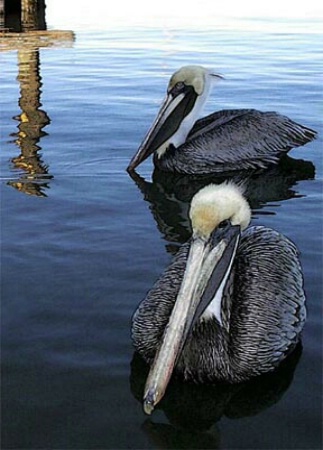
<point x="25" y="32"/>
<point x="32" y="120"/>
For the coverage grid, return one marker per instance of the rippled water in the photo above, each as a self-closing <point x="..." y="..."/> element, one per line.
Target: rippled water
<point x="82" y="242"/>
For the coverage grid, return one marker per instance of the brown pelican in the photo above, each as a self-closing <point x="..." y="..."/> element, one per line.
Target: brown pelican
<point x="223" y="141"/>
<point x="229" y="307"/>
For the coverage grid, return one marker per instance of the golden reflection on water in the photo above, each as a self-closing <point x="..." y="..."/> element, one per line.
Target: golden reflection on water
<point x="34" y="173"/>
<point x="31" y="120"/>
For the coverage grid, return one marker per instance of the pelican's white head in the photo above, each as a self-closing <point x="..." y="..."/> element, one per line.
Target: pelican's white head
<point x="187" y="92"/>
<point x="198" y="77"/>
<point x="216" y="203"/>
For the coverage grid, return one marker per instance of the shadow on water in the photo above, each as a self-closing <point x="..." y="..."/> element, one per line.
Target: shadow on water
<point x="23" y="26"/>
<point x="193" y="410"/>
<point x="170" y="194"/>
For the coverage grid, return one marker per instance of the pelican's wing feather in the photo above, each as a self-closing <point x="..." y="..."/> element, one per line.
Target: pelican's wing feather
<point x="268" y="313"/>
<point x="152" y="315"/>
<point x="237" y="139"/>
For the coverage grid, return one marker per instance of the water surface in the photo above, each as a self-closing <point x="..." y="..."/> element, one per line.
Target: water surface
<point x="82" y="242"/>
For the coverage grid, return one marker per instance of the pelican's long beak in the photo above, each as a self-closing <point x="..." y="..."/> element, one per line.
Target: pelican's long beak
<point x="208" y="264"/>
<point x="177" y="104"/>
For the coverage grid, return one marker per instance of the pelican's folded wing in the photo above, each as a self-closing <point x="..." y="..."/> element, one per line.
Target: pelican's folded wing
<point x="237" y="139"/>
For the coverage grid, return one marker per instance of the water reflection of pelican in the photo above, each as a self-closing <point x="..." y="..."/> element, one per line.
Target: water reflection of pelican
<point x="193" y="410"/>
<point x="169" y="194"/>
<point x="231" y="305"/>
<point x="223" y="141"/>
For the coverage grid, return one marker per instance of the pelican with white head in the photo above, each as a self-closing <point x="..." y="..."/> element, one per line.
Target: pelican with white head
<point x="218" y="213"/>
<point x="226" y="140"/>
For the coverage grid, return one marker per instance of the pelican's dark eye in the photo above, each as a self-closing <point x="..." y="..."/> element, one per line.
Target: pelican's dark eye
<point x="178" y="88"/>
<point x="223" y="224"/>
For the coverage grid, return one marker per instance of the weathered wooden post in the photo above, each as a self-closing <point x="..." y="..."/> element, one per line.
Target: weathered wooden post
<point x="1" y="14"/>
<point x="29" y="15"/>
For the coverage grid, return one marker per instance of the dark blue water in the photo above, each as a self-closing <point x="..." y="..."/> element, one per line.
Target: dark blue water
<point x="82" y="242"/>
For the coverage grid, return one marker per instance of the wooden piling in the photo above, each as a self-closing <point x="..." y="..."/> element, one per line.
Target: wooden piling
<point x="29" y="16"/>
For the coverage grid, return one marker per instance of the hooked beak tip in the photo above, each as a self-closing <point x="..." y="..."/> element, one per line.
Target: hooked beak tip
<point x="133" y="164"/>
<point x="140" y="156"/>
<point x="149" y="402"/>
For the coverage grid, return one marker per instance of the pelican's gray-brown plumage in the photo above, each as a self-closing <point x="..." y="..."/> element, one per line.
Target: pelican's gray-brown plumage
<point x="248" y="302"/>
<point x="223" y="141"/>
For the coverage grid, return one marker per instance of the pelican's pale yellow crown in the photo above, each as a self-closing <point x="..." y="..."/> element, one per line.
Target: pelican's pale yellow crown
<point x="191" y="76"/>
<point x="216" y="203"/>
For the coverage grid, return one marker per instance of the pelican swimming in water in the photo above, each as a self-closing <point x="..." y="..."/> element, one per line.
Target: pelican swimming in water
<point x="223" y="141"/>
<point x="229" y="307"/>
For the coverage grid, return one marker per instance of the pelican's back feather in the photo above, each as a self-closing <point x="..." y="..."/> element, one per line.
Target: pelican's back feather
<point x="235" y="139"/>
<point x="269" y="300"/>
